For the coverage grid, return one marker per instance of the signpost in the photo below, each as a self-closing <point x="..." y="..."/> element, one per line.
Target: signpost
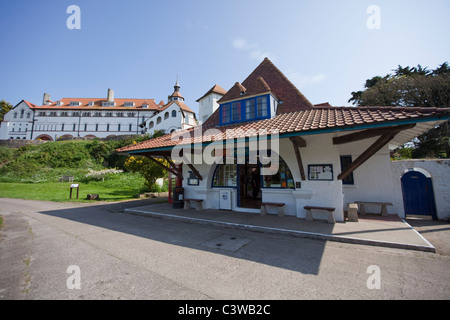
<point x="74" y="186"/>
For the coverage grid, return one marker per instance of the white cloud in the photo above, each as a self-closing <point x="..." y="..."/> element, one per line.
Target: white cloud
<point x="252" y="48"/>
<point x="300" y="81"/>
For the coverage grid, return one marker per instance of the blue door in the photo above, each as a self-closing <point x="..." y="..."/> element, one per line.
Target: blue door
<point x="418" y="196"/>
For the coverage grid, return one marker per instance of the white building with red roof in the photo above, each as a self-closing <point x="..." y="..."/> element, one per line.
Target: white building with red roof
<point x="266" y="148"/>
<point x="96" y="117"/>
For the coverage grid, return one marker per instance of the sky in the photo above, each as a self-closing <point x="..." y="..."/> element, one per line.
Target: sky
<point x="138" y="48"/>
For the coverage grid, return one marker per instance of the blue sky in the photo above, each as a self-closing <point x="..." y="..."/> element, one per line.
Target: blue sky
<point x="139" y="47"/>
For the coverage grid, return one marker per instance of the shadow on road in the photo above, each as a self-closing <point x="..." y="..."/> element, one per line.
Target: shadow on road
<point x="300" y="255"/>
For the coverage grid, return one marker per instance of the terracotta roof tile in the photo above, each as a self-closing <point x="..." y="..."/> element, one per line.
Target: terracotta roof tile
<point x="302" y="121"/>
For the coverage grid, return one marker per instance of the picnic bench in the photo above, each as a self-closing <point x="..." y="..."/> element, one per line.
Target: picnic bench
<point x="329" y="210"/>
<point x="362" y="204"/>
<point x="65" y="178"/>
<point x="280" y="207"/>
<point x="198" y="204"/>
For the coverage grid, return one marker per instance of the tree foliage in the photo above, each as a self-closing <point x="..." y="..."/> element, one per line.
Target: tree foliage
<point x="413" y="87"/>
<point x="147" y="168"/>
<point x="4" y="108"/>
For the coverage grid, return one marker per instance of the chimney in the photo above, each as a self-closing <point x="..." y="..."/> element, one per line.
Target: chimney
<point x="46" y="99"/>
<point x="110" y="97"/>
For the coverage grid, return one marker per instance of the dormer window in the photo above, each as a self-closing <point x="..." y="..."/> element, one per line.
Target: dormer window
<point x="145" y="106"/>
<point x="59" y="103"/>
<point x="91" y="104"/>
<point x="128" y="104"/>
<point x="256" y="108"/>
<point x="108" y="104"/>
<point x="75" y="103"/>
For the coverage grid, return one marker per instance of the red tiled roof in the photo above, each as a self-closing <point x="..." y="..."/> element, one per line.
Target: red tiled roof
<point x="264" y="79"/>
<point x="181" y="104"/>
<point x="273" y="80"/>
<point x="138" y="103"/>
<point x="216" y="89"/>
<point x="317" y="119"/>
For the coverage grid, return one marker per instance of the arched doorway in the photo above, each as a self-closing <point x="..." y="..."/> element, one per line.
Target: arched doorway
<point x="418" y="195"/>
<point x="44" y="137"/>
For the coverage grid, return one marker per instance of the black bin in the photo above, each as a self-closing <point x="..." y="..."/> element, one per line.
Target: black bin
<point x="178" y="196"/>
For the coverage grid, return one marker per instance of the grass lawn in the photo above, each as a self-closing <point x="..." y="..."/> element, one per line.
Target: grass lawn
<point x="54" y="191"/>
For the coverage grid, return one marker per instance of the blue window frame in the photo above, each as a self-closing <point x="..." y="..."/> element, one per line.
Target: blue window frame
<point x="256" y="108"/>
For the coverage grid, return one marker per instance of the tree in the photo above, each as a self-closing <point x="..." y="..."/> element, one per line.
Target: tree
<point x="4" y="108"/>
<point x="413" y="87"/>
<point x="147" y="168"/>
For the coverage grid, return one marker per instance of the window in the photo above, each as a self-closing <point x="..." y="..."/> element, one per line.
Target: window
<point x="108" y="104"/>
<point x="85" y="127"/>
<point x="15" y="115"/>
<point x="166" y="115"/>
<point x="109" y="114"/>
<point x="130" y="114"/>
<point x="28" y="115"/>
<point x="75" y="114"/>
<point x="174" y="113"/>
<point x="64" y="114"/>
<point x="96" y="127"/>
<point x="158" y="121"/>
<point x="282" y="179"/>
<point x="130" y="127"/>
<point x="151" y="124"/>
<point x="225" y="176"/>
<point x="236" y="111"/>
<point x="52" y="114"/>
<point x="74" y="127"/>
<point x="118" y="127"/>
<point x="107" y="127"/>
<point x="62" y="127"/>
<point x="74" y="103"/>
<point x="22" y="112"/>
<point x="245" y="110"/>
<point x="250" y="109"/>
<point x="97" y="114"/>
<point x="346" y="161"/>
<point x="261" y="108"/>
<point x="226" y="113"/>
<point x="119" y="114"/>
<point x="128" y="104"/>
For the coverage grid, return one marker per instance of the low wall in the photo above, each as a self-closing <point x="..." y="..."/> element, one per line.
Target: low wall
<point x="16" y="143"/>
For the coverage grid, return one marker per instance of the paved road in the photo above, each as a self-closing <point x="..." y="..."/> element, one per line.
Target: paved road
<point x="47" y="247"/>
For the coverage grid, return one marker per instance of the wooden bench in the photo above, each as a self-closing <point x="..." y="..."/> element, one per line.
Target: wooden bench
<point x="279" y="205"/>
<point x="198" y="204"/>
<point x="362" y="204"/>
<point x="329" y="210"/>
<point x="65" y="178"/>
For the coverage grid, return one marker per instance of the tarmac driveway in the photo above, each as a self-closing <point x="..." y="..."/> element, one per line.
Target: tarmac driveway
<point x="84" y="251"/>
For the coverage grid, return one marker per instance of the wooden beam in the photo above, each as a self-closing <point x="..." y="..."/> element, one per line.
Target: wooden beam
<point x="189" y="164"/>
<point x="298" y="143"/>
<point x="175" y="172"/>
<point x="301" y="143"/>
<point x="370" y="133"/>
<point x="377" y="145"/>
